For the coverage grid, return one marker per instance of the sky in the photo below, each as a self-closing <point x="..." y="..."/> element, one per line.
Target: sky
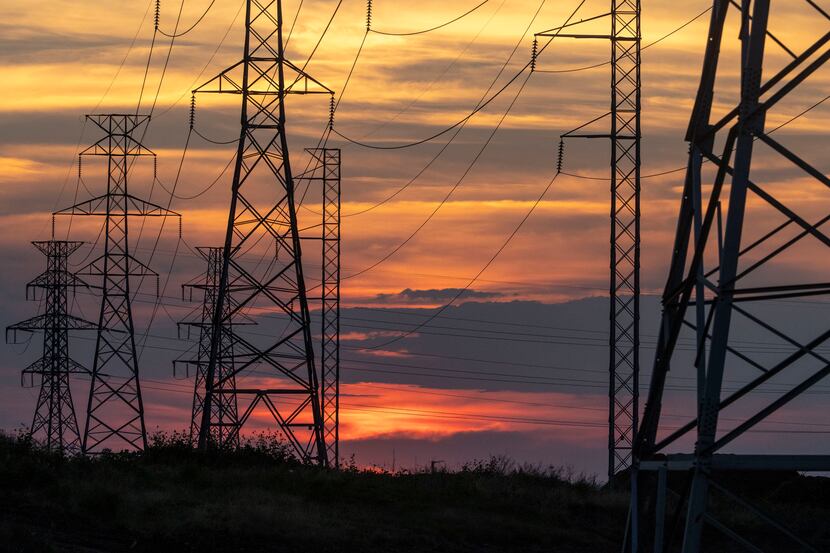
<point x="517" y="366"/>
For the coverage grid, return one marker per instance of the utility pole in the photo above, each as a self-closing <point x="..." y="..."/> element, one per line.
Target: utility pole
<point x="224" y="424"/>
<point x="279" y="366"/>
<point x="624" y="289"/>
<point x="115" y="411"/>
<point x="54" y="425"/>
<point x="743" y="278"/>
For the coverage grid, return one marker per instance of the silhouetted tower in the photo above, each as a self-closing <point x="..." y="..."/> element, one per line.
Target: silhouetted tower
<point x="278" y="366"/>
<point x="326" y="169"/>
<point x="750" y="270"/>
<point x="224" y="426"/>
<point x="115" y="412"/>
<point x="624" y="335"/>
<point x="54" y="425"/>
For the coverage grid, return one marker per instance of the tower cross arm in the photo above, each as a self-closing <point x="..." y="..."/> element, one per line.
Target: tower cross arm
<point x="42" y="366"/>
<point x="44" y="322"/>
<point x="130" y="147"/>
<point x="118" y="123"/>
<point x="303" y="83"/>
<point x="136" y="207"/>
<point x="49" y="280"/>
<point x="261" y="81"/>
<point x="135" y="268"/>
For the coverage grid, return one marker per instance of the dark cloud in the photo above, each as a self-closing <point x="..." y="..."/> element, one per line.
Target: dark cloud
<point x="409" y="295"/>
<point x="532" y="446"/>
<point x="22" y="44"/>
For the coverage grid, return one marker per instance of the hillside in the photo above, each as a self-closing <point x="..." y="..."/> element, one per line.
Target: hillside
<point x="173" y="498"/>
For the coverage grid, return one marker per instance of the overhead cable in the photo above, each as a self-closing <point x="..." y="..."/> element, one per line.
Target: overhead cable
<point x="450" y="22"/>
<point x="174" y="34"/>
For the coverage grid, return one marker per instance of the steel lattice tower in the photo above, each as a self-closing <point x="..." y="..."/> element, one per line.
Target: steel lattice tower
<point x="225" y="414"/>
<point x="54" y="425"/>
<point x="624" y="316"/>
<point x="115" y="412"/>
<point x="262" y="207"/>
<point x="326" y="169"/>
<point x="743" y="277"/>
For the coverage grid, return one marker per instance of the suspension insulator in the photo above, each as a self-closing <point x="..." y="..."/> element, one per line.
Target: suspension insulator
<point x="157" y="15"/>
<point x="192" y="110"/>
<point x="561" y="156"/>
<point x="368" y="15"/>
<point x="331" y="112"/>
<point x="80" y="167"/>
<point x="533" y="54"/>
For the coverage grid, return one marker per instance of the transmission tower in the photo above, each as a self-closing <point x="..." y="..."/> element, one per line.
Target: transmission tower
<point x="54" y="425"/>
<point x="115" y="412"/>
<point x="736" y="291"/>
<point x="262" y="211"/>
<point x="325" y="168"/>
<point x="624" y="316"/>
<point x="224" y="424"/>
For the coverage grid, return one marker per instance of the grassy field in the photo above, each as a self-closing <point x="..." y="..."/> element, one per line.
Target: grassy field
<point x="174" y="499"/>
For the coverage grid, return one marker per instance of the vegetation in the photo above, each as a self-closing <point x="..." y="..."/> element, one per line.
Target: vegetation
<point x="172" y="498"/>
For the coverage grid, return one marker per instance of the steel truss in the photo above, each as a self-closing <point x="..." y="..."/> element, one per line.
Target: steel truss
<point x="54" y="425"/>
<point x="262" y="207"/>
<point x="224" y="426"/>
<point x="115" y="411"/>
<point x="325" y="168"/>
<point x="742" y="281"/>
<point x="624" y="316"/>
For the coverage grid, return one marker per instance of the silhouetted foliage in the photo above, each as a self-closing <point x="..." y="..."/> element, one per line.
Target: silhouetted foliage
<point x="173" y="497"/>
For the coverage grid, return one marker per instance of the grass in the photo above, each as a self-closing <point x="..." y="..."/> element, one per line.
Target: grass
<point x="172" y="498"/>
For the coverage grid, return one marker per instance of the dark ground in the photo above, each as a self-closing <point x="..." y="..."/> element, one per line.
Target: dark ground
<point x="174" y="499"/>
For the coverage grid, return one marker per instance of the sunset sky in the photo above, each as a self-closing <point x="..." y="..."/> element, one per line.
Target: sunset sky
<point x="518" y="365"/>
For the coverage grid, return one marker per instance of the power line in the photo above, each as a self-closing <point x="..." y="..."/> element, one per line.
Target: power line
<point x="446" y="198"/>
<point x="445" y="146"/>
<point x="763" y="347"/>
<point x="649" y="45"/>
<point x="472" y="375"/>
<point x="171" y="387"/>
<point x="473" y="162"/>
<point x="123" y="60"/>
<point x="602" y="338"/>
<point x="199" y="20"/>
<point x="484" y="268"/>
<point x="444" y="414"/>
<point x="450" y="22"/>
<point x="461" y="127"/>
<point x="213" y="141"/>
<point x="478" y="108"/>
<point x="205" y="66"/>
<point x="93" y="110"/>
<point x="683" y="168"/>
<point x="575" y="341"/>
<point x="439" y="76"/>
<point x="293" y="24"/>
<point x="169" y="273"/>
